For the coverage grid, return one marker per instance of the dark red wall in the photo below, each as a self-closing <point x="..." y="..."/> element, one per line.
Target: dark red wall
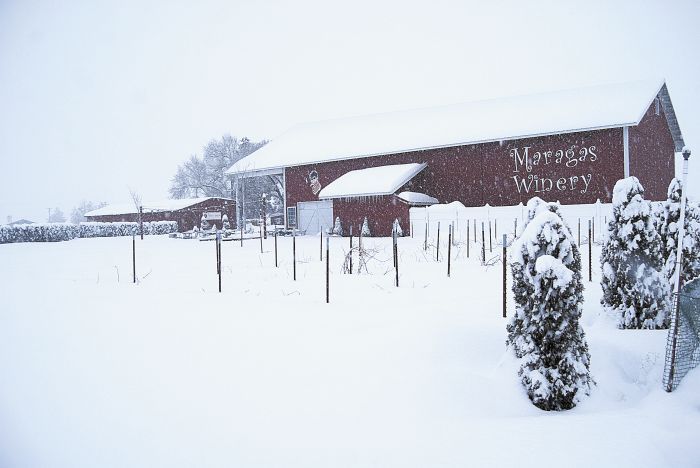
<point x="579" y="167"/>
<point x="380" y="212"/>
<point x="484" y="173"/>
<point x="652" y="153"/>
<point x="186" y="218"/>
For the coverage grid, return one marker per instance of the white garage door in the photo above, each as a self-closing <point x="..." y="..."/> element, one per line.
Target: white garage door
<point x="314" y="216"/>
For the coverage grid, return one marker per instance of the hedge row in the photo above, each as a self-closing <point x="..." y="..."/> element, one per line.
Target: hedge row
<point x="55" y="232"/>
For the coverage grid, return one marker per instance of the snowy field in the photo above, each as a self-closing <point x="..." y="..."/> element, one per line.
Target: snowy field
<point x="98" y="372"/>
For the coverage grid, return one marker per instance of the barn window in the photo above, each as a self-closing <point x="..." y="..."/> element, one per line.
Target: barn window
<point x="291" y="216"/>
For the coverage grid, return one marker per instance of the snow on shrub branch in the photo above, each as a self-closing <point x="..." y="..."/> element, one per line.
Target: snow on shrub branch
<point x="56" y="232"/>
<point x="634" y="285"/>
<point x="544" y="332"/>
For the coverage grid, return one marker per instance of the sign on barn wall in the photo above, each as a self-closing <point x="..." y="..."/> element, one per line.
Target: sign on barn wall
<point x="212" y="215"/>
<point x="526" y="163"/>
<point x="314" y="183"/>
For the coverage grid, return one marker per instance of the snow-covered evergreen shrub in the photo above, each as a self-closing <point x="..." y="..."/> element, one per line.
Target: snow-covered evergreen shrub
<point x="93" y="229"/>
<point x="633" y="282"/>
<point x="365" y="228"/>
<point x="536" y="205"/>
<point x="396" y="228"/>
<point x="203" y="224"/>
<point x="225" y="223"/>
<point x="157" y="228"/>
<point x="545" y="331"/>
<point x="669" y="215"/>
<point x="109" y="229"/>
<point x="40" y="232"/>
<point x="54" y="232"/>
<point x="337" y="227"/>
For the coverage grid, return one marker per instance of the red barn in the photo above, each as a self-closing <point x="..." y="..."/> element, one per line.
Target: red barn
<point x="571" y="146"/>
<point x="186" y="211"/>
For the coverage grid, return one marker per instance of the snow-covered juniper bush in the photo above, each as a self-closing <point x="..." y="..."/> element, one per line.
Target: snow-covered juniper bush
<point x="545" y="332"/>
<point x="634" y="285"/>
<point x="396" y="228"/>
<point x="365" y="228"/>
<point x="337" y="227"/>
<point x="669" y="215"/>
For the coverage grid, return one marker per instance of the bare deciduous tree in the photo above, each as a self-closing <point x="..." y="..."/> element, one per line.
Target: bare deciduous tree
<point x="77" y="216"/>
<point x="136" y="198"/>
<point x="205" y="177"/>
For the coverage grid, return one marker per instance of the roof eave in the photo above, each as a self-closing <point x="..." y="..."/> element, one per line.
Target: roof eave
<point x="671" y="119"/>
<point x="449" y="145"/>
<point x="357" y="195"/>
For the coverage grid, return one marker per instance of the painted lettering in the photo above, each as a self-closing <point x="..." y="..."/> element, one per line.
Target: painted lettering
<point x="536" y="158"/>
<point x="568" y="157"/>
<point x="592" y="151"/>
<point x="586" y="180"/>
<point x="582" y="153"/>
<point x="523" y="160"/>
<point x="522" y="184"/>
<point x="547" y="184"/>
<point x="572" y="181"/>
<point x="547" y="156"/>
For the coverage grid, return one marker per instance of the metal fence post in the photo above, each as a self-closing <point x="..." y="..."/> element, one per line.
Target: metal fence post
<point x="483" y="244"/>
<point x="449" y="252"/>
<point x="505" y="272"/>
<point x="133" y="255"/>
<point x="590" y="253"/>
<point x="328" y="289"/>
<point x="437" y="253"/>
<point x="350" y="253"/>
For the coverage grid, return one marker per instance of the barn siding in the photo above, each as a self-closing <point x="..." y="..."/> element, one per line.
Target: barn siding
<point x="652" y="153"/>
<point x="484" y="173"/>
<point x="380" y="212"/>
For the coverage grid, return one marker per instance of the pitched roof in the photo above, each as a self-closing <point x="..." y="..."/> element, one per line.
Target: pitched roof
<point x="606" y="106"/>
<point x="20" y="221"/>
<point x="148" y="207"/>
<point x="373" y="181"/>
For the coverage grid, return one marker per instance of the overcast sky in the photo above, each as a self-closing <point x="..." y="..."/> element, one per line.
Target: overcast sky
<point x="99" y="97"/>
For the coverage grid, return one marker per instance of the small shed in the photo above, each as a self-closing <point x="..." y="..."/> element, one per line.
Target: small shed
<point x="372" y="193"/>
<point x="187" y="212"/>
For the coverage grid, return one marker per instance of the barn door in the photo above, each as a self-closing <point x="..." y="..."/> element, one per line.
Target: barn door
<point x="315" y="216"/>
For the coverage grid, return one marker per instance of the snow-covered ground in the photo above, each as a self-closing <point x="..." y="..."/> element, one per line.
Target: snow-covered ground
<point x="97" y="371"/>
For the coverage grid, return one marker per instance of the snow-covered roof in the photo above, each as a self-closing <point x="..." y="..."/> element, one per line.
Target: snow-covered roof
<point x="417" y="198"/>
<point x="148" y="207"/>
<point x="606" y="106"/>
<point x="20" y="221"/>
<point x="373" y="181"/>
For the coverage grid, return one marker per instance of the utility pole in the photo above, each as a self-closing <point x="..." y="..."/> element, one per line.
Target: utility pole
<point x="675" y="318"/>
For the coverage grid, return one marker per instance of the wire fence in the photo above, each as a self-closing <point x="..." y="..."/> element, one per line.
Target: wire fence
<point x="683" y="344"/>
